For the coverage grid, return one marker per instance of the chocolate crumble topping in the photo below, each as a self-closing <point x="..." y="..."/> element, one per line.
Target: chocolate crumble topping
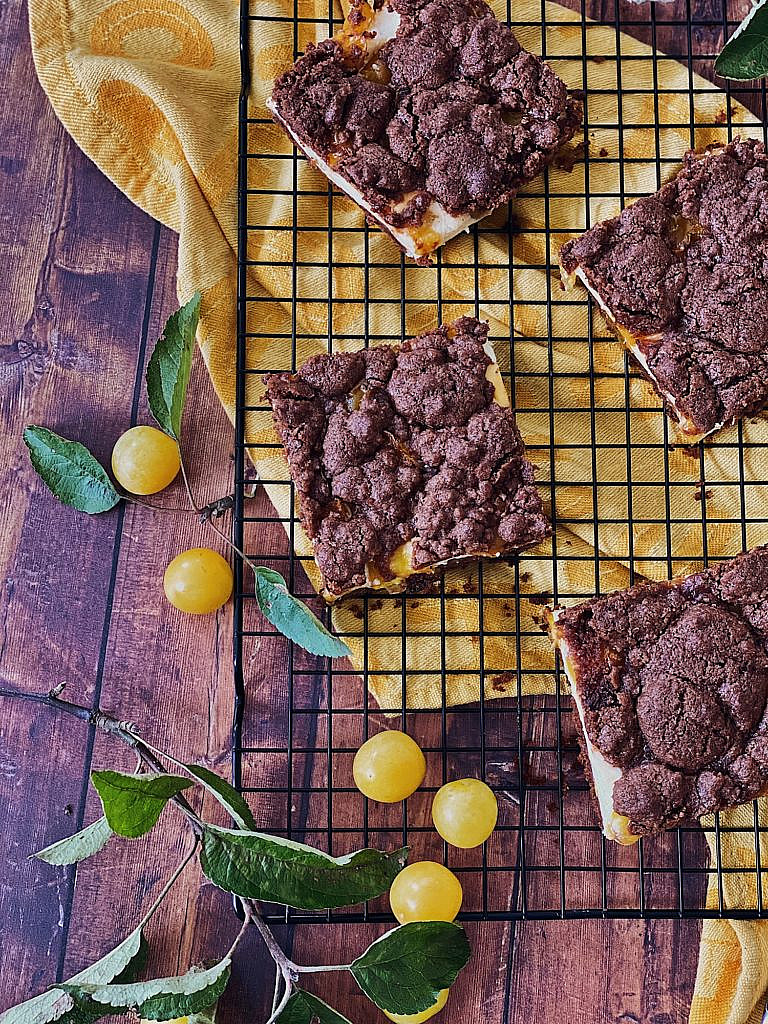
<point x="456" y="111"/>
<point x="673" y="678"/>
<point x="685" y="272"/>
<point x="395" y="444"/>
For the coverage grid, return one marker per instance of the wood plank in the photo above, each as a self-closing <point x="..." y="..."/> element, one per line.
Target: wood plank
<point x="72" y="312"/>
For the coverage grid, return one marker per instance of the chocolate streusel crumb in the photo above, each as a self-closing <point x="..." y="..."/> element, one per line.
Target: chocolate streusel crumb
<point x="405" y="445"/>
<point x="449" y="110"/>
<point x="673" y="680"/>
<point x="685" y="274"/>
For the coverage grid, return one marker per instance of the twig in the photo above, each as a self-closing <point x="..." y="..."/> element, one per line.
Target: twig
<point x="216" y="509"/>
<point x="228" y="540"/>
<point x="287" y="967"/>
<point x="321" y="968"/>
<point x="51" y="700"/>
<point x="126" y="731"/>
<point x="247" y="918"/>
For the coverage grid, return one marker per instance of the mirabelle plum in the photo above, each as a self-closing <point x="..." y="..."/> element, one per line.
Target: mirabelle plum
<point x="464" y="812"/>
<point x="198" y="581"/>
<point x="145" y="460"/>
<point x="425" y="891"/>
<point x="389" y="767"/>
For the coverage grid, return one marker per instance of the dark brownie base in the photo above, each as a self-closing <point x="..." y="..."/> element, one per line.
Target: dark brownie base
<point x="391" y="446"/>
<point x="450" y="110"/>
<point x="673" y="680"/>
<point x="684" y="273"/>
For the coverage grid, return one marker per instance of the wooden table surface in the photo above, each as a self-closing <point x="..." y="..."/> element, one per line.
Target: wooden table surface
<point x="87" y="281"/>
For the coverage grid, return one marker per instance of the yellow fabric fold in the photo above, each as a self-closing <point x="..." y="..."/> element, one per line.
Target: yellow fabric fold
<point x="732" y="975"/>
<point x="148" y="89"/>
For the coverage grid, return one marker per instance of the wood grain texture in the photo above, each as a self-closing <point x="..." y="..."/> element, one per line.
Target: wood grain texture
<point x="86" y="283"/>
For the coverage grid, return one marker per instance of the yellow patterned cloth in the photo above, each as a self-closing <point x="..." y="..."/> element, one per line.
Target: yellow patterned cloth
<point x="148" y="89"/>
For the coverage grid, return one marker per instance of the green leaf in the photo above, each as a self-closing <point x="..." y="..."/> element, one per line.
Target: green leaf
<point x="60" y="1005"/>
<point x="69" y="470"/>
<point x="226" y="795"/>
<point x="163" y="999"/>
<point x="170" y="365"/>
<point x="48" y="1006"/>
<point x="133" y="803"/>
<point x="405" y="970"/>
<point x="168" y="1006"/>
<point x="292" y="617"/>
<point x="85" y="1011"/>
<point x="304" y="1008"/>
<point x="78" y="847"/>
<point x="745" y="55"/>
<point x="118" y="960"/>
<point x="263" y="867"/>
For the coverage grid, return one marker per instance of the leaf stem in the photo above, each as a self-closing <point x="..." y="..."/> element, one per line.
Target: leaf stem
<point x="286" y="970"/>
<point x="156" y="508"/>
<point x="169" y="884"/>
<point x="282" y="1004"/>
<point x="321" y="968"/>
<point x="247" y="919"/>
<point x="276" y="994"/>
<point x="187" y="485"/>
<point x="287" y="967"/>
<point x="162" y="753"/>
<point x="225" y="537"/>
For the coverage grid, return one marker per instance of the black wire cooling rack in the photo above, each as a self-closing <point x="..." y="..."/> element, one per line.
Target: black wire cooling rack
<point x="626" y="502"/>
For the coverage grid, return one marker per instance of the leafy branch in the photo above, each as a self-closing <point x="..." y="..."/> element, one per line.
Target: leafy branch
<point x="77" y="479"/>
<point x="402" y="972"/>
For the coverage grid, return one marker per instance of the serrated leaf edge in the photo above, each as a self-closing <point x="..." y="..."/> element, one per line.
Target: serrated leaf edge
<point x="100" y="827"/>
<point x="165" y="416"/>
<point x="36" y="432"/>
<point x="291" y="844"/>
<point x="741" y="28"/>
<point x="136" y="993"/>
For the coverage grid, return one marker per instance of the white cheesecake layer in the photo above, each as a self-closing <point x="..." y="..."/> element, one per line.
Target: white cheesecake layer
<point x="382" y="28"/>
<point x="685" y="425"/>
<point x="604" y="774"/>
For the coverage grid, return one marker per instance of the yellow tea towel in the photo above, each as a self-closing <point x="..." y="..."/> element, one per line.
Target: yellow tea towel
<point x="732" y="976"/>
<point x="148" y="89"/>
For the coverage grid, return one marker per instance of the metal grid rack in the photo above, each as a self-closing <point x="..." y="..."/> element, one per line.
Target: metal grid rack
<point x="608" y="468"/>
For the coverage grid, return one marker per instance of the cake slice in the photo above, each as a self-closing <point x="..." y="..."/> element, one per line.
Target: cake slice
<point x="682" y="278"/>
<point x="428" y="115"/>
<point x="669" y="682"/>
<point x="406" y="458"/>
